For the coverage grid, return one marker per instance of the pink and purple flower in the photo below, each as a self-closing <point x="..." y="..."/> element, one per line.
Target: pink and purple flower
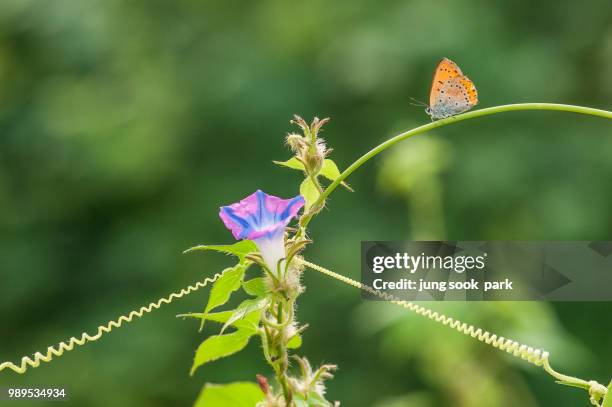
<point x="262" y="218"/>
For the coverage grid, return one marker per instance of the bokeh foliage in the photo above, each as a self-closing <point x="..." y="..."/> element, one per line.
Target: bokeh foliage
<point x="125" y="125"/>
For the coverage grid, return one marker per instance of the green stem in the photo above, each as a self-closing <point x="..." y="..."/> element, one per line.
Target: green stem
<point x="455" y="119"/>
<point x="316" y="183"/>
<point x="565" y="379"/>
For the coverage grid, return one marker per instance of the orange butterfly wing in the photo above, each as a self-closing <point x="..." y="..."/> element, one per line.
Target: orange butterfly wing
<point x="445" y="70"/>
<point x="470" y="89"/>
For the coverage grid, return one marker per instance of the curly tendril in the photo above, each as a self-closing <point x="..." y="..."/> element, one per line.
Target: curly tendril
<point x="537" y="357"/>
<point x="69" y="345"/>
<point x="531" y="355"/>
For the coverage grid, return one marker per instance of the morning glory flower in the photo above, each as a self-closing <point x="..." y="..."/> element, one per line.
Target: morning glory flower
<point x="262" y="218"/>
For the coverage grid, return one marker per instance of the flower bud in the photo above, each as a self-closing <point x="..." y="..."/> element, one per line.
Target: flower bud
<point x="297" y="120"/>
<point x="314" y="163"/>
<point x="263" y="383"/>
<point x="295" y="142"/>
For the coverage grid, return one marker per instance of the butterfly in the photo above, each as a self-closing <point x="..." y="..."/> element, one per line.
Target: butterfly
<point x="451" y="91"/>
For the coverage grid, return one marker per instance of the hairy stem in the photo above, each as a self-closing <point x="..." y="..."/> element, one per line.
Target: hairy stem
<point x="281" y="351"/>
<point x="274" y="340"/>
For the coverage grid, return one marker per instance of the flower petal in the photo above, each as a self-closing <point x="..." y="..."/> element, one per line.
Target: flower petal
<point x="259" y="215"/>
<point x="272" y="249"/>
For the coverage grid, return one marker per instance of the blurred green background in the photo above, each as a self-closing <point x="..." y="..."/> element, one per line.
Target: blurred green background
<point x="124" y="125"/>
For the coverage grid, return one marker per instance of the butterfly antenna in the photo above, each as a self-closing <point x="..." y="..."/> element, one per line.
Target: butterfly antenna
<point x="418" y="102"/>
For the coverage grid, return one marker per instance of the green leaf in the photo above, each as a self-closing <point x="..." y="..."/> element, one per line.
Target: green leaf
<point x="295" y="342"/>
<point x="222" y="316"/>
<point x="247" y="307"/>
<point x="300" y="401"/>
<point x="223" y="288"/>
<point x="330" y="171"/>
<point x="607" y="401"/>
<point x="312" y="400"/>
<point x="249" y="322"/>
<point x="309" y="191"/>
<point x="255" y="287"/>
<point x="292" y="163"/>
<point x="239" y="249"/>
<point x="315" y="399"/>
<point x="239" y="394"/>
<point x="219" y="346"/>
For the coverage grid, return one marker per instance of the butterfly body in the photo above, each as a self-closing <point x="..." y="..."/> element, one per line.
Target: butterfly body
<point x="451" y="91"/>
